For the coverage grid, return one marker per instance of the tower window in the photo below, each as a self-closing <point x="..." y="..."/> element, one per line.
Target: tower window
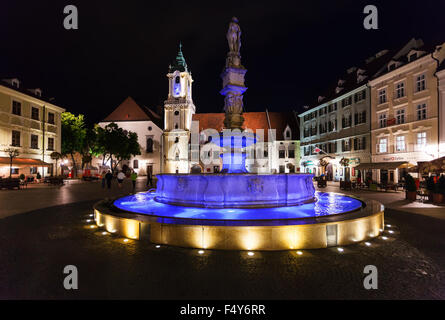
<point x="177" y="80"/>
<point x="176" y="113"/>
<point x="176" y="126"/>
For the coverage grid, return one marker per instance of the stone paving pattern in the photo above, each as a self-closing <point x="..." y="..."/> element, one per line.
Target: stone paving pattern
<point x="36" y="245"/>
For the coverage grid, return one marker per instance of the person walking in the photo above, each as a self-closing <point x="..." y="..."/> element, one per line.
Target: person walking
<point x="103" y="178"/>
<point x="120" y="178"/>
<point x="108" y="178"/>
<point x="134" y="176"/>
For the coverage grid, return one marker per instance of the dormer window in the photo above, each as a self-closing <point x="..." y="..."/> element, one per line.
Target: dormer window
<point x="287" y="133"/>
<point x="412" y="56"/>
<point x="15" y="83"/>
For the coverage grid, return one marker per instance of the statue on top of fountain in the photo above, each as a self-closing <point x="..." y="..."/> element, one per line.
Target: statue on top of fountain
<point x="234" y="40"/>
<point x="233" y="79"/>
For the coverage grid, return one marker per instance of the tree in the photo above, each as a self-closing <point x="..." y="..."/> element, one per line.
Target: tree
<point x="73" y="135"/>
<point x="113" y="141"/>
<point x="12" y="153"/>
<point x="56" y="156"/>
<point x="88" y="145"/>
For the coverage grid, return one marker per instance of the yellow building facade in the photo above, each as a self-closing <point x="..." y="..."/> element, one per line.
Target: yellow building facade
<point x="30" y="125"/>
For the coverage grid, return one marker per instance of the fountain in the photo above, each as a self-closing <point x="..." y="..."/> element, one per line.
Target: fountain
<point x="236" y="209"/>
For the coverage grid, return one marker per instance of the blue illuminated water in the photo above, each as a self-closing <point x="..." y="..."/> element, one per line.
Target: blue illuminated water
<point x="326" y="204"/>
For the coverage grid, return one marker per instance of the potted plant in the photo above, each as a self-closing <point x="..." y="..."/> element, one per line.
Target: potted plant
<point x="430" y="186"/>
<point x="410" y="186"/>
<point x="439" y="191"/>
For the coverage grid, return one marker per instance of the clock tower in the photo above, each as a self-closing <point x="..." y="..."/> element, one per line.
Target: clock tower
<point x="178" y="112"/>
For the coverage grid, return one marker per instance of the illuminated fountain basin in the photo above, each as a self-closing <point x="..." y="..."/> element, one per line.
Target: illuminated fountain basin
<point x="332" y="220"/>
<point x="327" y="204"/>
<point x="235" y="190"/>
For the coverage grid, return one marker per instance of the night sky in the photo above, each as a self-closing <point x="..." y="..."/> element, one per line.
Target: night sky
<point x="292" y="49"/>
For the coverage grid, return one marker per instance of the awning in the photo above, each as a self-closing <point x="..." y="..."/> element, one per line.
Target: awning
<point x="383" y="165"/>
<point x="433" y="166"/>
<point x="24" y="162"/>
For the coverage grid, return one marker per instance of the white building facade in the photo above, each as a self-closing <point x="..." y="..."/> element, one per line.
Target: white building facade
<point x="146" y="124"/>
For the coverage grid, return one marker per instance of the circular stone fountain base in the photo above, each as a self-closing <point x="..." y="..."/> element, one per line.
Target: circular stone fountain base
<point x="253" y="234"/>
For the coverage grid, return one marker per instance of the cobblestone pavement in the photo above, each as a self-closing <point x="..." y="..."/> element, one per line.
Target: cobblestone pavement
<point x="35" y="247"/>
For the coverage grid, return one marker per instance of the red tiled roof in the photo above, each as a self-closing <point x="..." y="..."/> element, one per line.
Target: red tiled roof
<point x="129" y="110"/>
<point x="252" y="121"/>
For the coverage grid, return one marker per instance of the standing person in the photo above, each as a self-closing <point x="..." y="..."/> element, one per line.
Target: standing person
<point x="103" y="178"/>
<point x="134" y="176"/>
<point x="108" y="178"/>
<point x="120" y="178"/>
<point x="149" y="180"/>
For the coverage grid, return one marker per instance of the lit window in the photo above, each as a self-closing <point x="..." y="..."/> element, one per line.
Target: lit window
<point x="400" y="116"/>
<point x="421" y="141"/>
<point x="400" y="143"/>
<point x="15" y="138"/>
<point x="421" y="111"/>
<point x="50" y="143"/>
<point x="51" y="118"/>
<point x="16" y="108"/>
<point x="382" y="96"/>
<point x="383" y="145"/>
<point x="35" y="113"/>
<point x="420" y="83"/>
<point x="400" y="90"/>
<point x="34" y="141"/>
<point x="382" y="120"/>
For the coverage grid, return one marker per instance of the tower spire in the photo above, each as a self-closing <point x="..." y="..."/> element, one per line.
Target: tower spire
<point x="179" y="63"/>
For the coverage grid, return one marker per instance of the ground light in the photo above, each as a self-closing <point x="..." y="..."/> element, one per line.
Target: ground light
<point x="299" y="253"/>
<point x="125" y="240"/>
<point x="384" y="238"/>
<point x="88" y="220"/>
<point x="157" y="246"/>
<point x="388" y="225"/>
<point x="340" y="249"/>
<point x="92" y="226"/>
<point x="390" y="231"/>
<point x="368" y="243"/>
<point x="201" y="251"/>
<point x="104" y="233"/>
<point x="250" y="253"/>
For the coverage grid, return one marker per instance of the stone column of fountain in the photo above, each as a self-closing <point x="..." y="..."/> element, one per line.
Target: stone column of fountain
<point x="232" y="139"/>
